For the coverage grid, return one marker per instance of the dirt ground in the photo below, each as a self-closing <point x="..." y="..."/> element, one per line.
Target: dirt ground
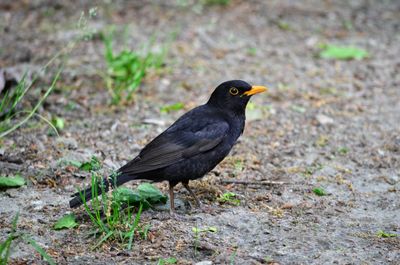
<point x="323" y="123"/>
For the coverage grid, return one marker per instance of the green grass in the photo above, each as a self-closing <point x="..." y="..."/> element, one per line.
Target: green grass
<point x="5" y="247"/>
<point x="112" y="219"/>
<point x="198" y="232"/>
<point x="115" y="217"/>
<point x="174" y="107"/>
<point x="10" y="100"/>
<point x="216" y="2"/>
<point x="319" y="191"/>
<point x="343" y="150"/>
<point x="329" y="51"/>
<point x="127" y="69"/>
<point x="10" y="118"/>
<point x="230" y="198"/>
<point x="384" y="234"/>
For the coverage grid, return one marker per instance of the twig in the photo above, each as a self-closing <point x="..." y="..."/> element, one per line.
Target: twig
<point x="244" y="182"/>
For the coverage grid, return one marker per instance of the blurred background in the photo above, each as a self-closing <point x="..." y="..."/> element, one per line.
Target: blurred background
<point x="101" y="78"/>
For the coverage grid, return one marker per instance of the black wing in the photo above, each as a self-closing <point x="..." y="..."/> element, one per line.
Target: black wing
<point x="184" y="139"/>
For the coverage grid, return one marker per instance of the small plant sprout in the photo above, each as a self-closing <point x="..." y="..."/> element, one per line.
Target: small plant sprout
<point x="319" y="191"/>
<point x="173" y="107"/>
<point x="230" y="198"/>
<point x="92" y="165"/>
<point x="5" y="247"/>
<point x="342" y="52"/>
<point x="167" y="261"/>
<point x="66" y="222"/>
<point x="384" y="234"/>
<point x="127" y="69"/>
<point x="343" y="150"/>
<point x="198" y="232"/>
<point x="12" y="182"/>
<point x="58" y="123"/>
<point x="116" y="216"/>
<point x="216" y="2"/>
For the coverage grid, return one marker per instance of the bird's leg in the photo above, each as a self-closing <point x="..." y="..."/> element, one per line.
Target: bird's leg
<point x="171" y="197"/>
<point x="186" y="185"/>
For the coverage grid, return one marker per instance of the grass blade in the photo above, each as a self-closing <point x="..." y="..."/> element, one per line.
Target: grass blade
<point x="33" y="111"/>
<point x="103" y="240"/>
<point x="135" y="224"/>
<point x="41" y="251"/>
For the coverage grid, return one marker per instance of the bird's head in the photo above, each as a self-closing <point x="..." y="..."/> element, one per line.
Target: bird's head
<point x="234" y="95"/>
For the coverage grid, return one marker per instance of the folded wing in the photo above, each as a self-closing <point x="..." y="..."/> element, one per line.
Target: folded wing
<point x="176" y="144"/>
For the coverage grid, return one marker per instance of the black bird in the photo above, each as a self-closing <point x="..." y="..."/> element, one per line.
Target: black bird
<point x="192" y="146"/>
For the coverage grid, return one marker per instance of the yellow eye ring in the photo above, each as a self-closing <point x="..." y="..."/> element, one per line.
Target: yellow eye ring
<point x="234" y="91"/>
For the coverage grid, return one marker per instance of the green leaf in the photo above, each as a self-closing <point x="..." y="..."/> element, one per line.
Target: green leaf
<point x="319" y="191"/>
<point x="173" y="107"/>
<point x="151" y="193"/>
<point x="299" y="109"/>
<point x="123" y="194"/>
<point x="146" y="194"/>
<point x="58" y="123"/>
<point x="167" y="261"/>
<point x="343" y="150"/>
<point x="67" y="221"/>
<point x="229" y="197"/>
<point x="343" y="52"/>
<point x="211" y="229"/>
<point x="384" y="234"/>
<point x="92" y="165"/>
<point x="12" y="182"/>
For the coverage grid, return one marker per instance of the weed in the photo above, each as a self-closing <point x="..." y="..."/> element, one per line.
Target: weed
<point x="13" y="97"/>
<point x="217" y="2"/>
<point x="384" y="234"/>
<point x="298" y="109"/>
<point x="58" y="122"/>
<point x="252" y="51"/>
<point x="283" y="25"/>
<point x="322" y="141"/>
<point x="112" y="219"/>
<point x="173" y="107"/>
<point x="343" y="150"/>
<point x="229" y="197"/>
<point x="67" y="221"/>
<point x="238" y="164"/>
<point x="342" y="52"/>
<point x="127" y="69"/>
<point x="310" y="170"/>
<point x="167" y="261"/>
<point x="12" y="182"/>
<point x="92" y="165"/>
<point x="113" y="215"/>
<point x="233" y="257"/>
<point x="11" y="100"/>
<point x="197" y="233"/>
<point x="5" y="246"/>
<point x="319" y="191"/>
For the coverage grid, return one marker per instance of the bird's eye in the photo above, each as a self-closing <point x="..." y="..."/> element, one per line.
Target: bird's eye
<point x="234" y="91"/>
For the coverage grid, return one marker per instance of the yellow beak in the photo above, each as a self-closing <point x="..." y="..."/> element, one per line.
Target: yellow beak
<point x="255" y="90"/>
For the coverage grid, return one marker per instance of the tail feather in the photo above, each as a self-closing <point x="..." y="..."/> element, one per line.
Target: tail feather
<point x="86" y="195"/>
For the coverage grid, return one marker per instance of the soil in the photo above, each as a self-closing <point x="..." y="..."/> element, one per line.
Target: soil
<point x="323" y="124"/>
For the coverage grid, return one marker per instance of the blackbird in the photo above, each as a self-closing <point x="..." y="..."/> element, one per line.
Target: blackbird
<point x="190" y="147"/>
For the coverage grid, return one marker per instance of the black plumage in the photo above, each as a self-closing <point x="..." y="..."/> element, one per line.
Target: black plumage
<point x="193" y="145"/>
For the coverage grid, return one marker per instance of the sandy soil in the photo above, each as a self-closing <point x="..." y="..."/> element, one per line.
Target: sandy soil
<point x="316" y="108"/>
